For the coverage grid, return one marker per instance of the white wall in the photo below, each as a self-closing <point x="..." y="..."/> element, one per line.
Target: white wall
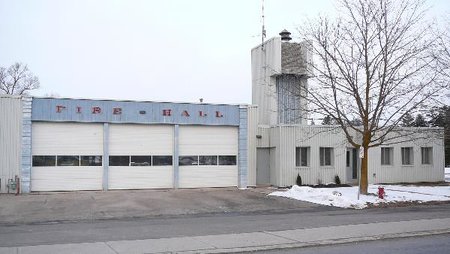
<point x="10" y="138"/>
<point x="285" y="139"/>
<point x="266" y="62"/>
<point x="251" y="144"/>
<point x="416" y="138"/>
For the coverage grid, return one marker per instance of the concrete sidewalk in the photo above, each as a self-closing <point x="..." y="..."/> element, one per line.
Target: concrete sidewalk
<point x="228" y="243"/>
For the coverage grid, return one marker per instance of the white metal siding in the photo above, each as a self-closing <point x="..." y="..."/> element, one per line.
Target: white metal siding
<point x="66" y="139"/>
<point x="417" y="172"/>
<point x="286" y="138"/>
<point x="265" y="64"/>
<point x="251" y="144"/>
<point x="133" y="139"/>
<point x="290" y="137"/>
<point x="10" y="138"/>
<point x="208" y="140"/>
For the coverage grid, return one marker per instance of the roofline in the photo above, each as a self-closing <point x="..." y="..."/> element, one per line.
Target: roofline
<point x="144" y="101"/>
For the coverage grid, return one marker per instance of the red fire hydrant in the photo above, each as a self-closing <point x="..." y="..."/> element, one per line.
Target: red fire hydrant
<point x="381" y="192"/>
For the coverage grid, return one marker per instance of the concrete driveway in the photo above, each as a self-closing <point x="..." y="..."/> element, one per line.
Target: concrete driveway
<point x="96" y="205"/>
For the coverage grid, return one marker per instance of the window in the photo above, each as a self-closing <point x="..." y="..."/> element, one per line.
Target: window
<point x="347" y="159"/>
<point x="141" y="161"/>
<point x="427" y="155"/>
<point x="407" y="156"/>
<point x="386" y="155"/>
<point x="91" y="160"/>
<point x="162" y="160"/>
<point x="44" y="161"/>
<point x="188" y="160"/>
<point x="302" y="156"/>
<point x="68" y="160"/>
<point x="208" y="160"/>
<point x="227" y="160"/>
<point x="119" y="160"/>
<point x="326" y="156"/>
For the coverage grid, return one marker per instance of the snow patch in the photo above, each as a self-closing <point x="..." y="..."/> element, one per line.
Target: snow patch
<point x="447" y="174"/>
<point x="346" y="197"/>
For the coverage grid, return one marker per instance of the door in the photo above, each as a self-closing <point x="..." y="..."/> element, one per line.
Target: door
<point x="140" y="156"/>
<point x="66" y="156"/>
<point x="352" y="163"/>
<point x="262" y="166"/>
<point x="208" y="156"/>
<point x="355" y="164"/>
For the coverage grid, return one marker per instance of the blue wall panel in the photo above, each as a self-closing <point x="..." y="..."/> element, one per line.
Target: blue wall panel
<point x="81" y="110"/>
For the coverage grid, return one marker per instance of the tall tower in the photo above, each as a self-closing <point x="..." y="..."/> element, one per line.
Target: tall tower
<point x="280" y="72"/>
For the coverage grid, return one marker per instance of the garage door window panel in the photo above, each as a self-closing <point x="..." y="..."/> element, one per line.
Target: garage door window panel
<point x="162" y="160"/>
<point x="68" y="160"/>
<point x="119" y="160"/>
<point x="208" y="160"/>
<point x="141" y="160"/>
<point x="228" y="160"/>
<point x="188" y="160"/>
<point x="93" y="161"/>
<point x="44" y="161"/>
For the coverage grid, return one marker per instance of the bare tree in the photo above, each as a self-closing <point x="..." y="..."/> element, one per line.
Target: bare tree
<point x="17" y="80"/>
<point x="376" y="63"/>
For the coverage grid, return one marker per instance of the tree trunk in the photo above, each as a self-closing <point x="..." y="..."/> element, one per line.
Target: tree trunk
<point x="364" y="183"/>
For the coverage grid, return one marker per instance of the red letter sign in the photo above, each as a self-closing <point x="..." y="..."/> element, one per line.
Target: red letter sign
<point x="78" y="110"/>
<point x="96" y="110"/>
<point x="59" y="108"/>
<point x="185" y="113"/>
<point x="218" y="114"/>
<point x="202" y="114"/>
<point x="166" y="112"/>
<point x="117" y="111"/>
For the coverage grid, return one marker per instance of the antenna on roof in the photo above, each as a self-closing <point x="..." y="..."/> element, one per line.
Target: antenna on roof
<point x="263" y="32"/>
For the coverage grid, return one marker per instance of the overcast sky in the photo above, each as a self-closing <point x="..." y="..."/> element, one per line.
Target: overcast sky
<point x="148" y="50"/>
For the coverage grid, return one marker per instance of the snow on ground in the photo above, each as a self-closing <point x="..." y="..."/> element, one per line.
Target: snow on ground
<point x="346" y="197"/>
<point x="447" y="174"/>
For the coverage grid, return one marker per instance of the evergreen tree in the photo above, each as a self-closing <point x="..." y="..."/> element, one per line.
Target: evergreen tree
<point x="328" y="121"/>
<point x="420" y="121"/>
<point x="440" y="117"/>
<point x="407" y="120"/>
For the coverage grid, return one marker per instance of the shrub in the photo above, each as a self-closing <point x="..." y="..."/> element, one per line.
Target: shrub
<point x="299" y="180"/>
<point x="337" y="180"/>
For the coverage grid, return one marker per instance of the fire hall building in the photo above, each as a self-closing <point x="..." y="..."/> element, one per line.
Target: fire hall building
<point x="64" y="144"/>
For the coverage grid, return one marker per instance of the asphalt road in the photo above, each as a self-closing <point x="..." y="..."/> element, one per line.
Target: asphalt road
<point x="208" y="224"/>
<point x="410" y="245"/>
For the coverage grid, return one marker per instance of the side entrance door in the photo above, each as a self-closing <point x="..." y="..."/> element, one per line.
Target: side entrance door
<point x="263" y="166"/>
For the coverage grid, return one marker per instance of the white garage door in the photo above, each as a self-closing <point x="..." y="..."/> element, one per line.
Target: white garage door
<point x="66" y="156"/>
<point x="140" y="156"/>
<point x="208" y="156"/>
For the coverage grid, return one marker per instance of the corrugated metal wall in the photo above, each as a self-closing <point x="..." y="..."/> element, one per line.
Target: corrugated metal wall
<point x="251" y="144"/>
<point x="291" y="107"/>
<point x="284" y="140"/>
<point x="417" y="172"/>
<point x="288" y="138"/>
<point x="10" y="138"/>
<point x="266" y="62"/>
